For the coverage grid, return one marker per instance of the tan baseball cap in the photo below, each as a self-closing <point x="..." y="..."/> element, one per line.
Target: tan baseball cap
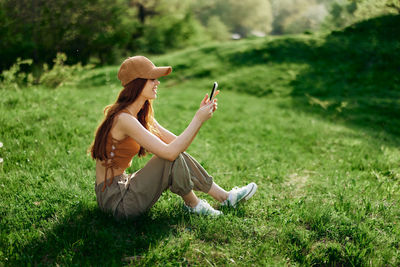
<point x="140" y="67"/>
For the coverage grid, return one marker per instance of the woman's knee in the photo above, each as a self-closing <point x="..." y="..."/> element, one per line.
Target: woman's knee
<point x="180" y="173"/>
<point x="179" y="162"/>
<point x="180" y="156"/>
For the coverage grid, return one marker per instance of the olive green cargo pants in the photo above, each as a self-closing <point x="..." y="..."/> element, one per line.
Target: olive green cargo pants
<point x="130" y="195"/>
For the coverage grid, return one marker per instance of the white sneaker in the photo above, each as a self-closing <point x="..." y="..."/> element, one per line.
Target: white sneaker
<point x="203" y="208"/>
<point x="238" y="194"/>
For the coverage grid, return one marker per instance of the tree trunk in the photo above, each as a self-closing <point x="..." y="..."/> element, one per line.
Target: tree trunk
<point x="142" y="13"/>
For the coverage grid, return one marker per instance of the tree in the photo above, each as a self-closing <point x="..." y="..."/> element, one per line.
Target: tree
<point x="164" y="25"/>
<point x="373" y="8"/>
<point x="239" y="16"/>
<point x="296" y="16"/>
<point x="217" y="29"/>
<point x="346" y="12"/>
<point x="39" y="29"/>
<point x="145" y="8"/>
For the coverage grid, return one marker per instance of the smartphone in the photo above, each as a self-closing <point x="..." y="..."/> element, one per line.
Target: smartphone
<point x="213" y="90"/>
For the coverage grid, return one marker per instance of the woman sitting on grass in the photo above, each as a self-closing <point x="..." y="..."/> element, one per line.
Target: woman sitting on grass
<point x="130" y="129"/>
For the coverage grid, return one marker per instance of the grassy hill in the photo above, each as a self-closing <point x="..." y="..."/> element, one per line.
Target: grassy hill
<point x="312" y="119"/>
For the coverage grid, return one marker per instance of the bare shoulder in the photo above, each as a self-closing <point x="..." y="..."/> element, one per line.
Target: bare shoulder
<point x="127" y="124"/>
<point x="122" y="122"/>
<point x="126" y="119"/>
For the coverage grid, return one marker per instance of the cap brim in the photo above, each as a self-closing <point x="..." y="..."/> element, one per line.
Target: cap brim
<point x="159" y="72"/>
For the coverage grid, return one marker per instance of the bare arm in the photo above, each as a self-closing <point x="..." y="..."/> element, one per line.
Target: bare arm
<point x="132" y="127"/>
<point x="166" y="136"/>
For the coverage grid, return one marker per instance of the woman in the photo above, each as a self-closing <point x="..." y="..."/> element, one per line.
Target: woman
<point x="130" y="129"/>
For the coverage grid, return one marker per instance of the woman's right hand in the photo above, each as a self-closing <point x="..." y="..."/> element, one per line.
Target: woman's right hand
<point x="206" y="100"/>
<point x="206" y="110"/>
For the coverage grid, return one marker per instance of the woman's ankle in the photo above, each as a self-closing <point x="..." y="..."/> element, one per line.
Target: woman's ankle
<point x="192" y="204"/>
<point x="223" y="197"/>
<point x="191" y="199"/>
<point x="218" y="193"/>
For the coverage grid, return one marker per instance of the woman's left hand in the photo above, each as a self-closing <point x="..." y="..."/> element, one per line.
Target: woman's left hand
<point x="206" y="99"/>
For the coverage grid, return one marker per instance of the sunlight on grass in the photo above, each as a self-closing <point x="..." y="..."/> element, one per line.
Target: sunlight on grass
<point x="328" y="179"/>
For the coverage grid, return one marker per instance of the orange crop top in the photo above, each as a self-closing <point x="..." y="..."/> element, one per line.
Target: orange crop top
<point x="120" y="154"/>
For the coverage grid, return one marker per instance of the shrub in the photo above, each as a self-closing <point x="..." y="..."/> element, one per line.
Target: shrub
<point x="217" y="29"/>
<point x="170" y="32"/>
<point x="14" y="78"/>
<point x="60" y="73"/>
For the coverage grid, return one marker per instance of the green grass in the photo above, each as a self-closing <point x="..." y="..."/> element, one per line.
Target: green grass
<point x="317" y="133"/>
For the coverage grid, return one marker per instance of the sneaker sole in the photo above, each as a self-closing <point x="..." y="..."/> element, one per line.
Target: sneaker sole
<point x="251" y="193"/>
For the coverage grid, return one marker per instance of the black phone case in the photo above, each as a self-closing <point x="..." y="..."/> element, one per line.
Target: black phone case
<point x="213" y="90"/>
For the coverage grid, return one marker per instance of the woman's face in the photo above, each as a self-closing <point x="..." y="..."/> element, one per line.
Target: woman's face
<point x="150" y="89"/>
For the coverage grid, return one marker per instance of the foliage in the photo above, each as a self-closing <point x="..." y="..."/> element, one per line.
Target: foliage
<point x="239" y="16"/>
<point x="368" y="84"/>
<point x="167" y="32"/>
<point x="165" y="26"/>
<point x="341" y="14"/>
<point x="105" y="31"/>
<point x="40" y="29"/>
<point x="246" y="16"/>
<point x="344" y="12"/>
<point x="14" y="78"/>
<point x="60" y="73"/>
<point x="307" y="19"/>
<point x="297" y="16"/>
<point x="372" y="8"/>
<point x="328" y="172"/>
<point x="217" y="29"/>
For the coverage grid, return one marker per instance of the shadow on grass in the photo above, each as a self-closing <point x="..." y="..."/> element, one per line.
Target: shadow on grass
<point x="90" y="237"/>
<point x="353" y="76"/>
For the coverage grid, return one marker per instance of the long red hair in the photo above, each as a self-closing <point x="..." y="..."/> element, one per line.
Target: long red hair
<point x="126" y="97"/>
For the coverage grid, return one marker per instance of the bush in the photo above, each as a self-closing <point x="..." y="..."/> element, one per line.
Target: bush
<point x="217" y="29"/>
<point x="164" y="33"/>
<point x="60" y="73"/>
<point x="343" y="13"/>
<point x="14" y="78"/>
